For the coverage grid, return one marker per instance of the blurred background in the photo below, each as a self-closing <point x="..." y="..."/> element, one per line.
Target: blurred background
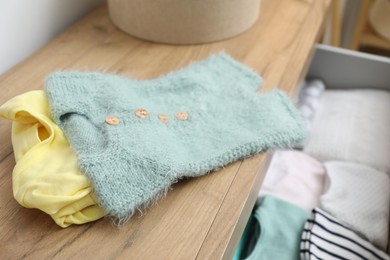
<point x="26" y="26"/>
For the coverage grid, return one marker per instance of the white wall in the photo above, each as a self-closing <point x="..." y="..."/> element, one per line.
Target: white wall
<point x="26" y="25"/>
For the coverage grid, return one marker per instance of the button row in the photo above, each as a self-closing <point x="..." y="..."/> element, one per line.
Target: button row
<point x="143" y="113"/>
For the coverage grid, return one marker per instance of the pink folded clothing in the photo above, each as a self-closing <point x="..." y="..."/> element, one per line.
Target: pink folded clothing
<point x="295" y="177"/>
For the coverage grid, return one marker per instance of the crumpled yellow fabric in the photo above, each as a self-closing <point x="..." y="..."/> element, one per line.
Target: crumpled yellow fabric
<point x="46" y="175"/>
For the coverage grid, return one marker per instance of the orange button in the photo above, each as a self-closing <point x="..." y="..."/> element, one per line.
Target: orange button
<point x="142" y="113"/>
<point x="112" y="120"/>
<point x="182" y="115"/>
<point x="163" y="118"/>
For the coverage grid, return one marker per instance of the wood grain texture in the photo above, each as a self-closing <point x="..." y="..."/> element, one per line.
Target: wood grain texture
<point x="360" y="24"/>
<point x="237" y="206"/>
<point x="364" y="35"/>
<point x="200" y="218"/>
<point x="336" y="23"/>
<point x="370" y="38"/>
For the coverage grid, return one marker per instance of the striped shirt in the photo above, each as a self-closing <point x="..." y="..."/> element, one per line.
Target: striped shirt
<point x="324" y="237"/>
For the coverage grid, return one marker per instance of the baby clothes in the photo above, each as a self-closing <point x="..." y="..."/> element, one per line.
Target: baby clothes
<point x="281" y="224"/>
<point x="295" y="177"/>
<point x="46" y="175"/>
<point x="359" y="196"/>
<point x="352" y="125"/>
<point x="324" y="237"/>
<point x="135" y="138"/>
<point x="248" y="239"/>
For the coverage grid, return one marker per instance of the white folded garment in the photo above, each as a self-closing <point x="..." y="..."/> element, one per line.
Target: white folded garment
<point x="359" y="196"/>
<point x="352" y="125"/>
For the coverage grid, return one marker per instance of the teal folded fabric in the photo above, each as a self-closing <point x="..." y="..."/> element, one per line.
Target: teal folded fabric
<point x="248" y="239"/>
<point x="135" y="138"/>
<point x="281" y="225"/>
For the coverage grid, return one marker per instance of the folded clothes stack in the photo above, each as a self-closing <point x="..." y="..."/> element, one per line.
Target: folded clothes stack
<point x="341" y="176"/>
<point x="94" y="144"/>
<point x="352" y="125"/>
<point x="359" y="196"/>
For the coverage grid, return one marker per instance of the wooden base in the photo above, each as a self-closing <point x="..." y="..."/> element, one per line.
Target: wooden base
<point x="199" y="218"/>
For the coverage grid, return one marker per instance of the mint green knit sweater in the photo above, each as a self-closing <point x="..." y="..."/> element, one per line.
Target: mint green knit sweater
<point x="134" y="158"/>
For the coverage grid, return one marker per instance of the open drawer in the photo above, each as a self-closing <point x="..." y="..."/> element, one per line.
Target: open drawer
<point x="345" y="69"/>
<point x="349" y="69"/>
<point x="352" y="74"/>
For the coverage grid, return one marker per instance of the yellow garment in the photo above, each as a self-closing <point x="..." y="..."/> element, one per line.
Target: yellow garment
<point x="46" y="175"/>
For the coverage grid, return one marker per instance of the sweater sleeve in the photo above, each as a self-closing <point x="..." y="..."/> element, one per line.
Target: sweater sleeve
<point x="72" y="92"/>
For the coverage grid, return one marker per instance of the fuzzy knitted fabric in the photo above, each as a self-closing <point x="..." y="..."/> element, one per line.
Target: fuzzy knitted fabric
<point x="135" y="138"/>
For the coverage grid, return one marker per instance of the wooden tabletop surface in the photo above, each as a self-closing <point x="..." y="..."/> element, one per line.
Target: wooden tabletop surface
<point x="200" y="218"/>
